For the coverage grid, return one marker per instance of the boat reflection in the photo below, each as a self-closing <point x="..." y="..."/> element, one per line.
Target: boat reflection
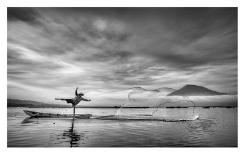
<point x="29" y="120"/>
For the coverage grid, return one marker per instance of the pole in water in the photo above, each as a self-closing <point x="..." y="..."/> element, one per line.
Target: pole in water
<point x="74" y="112"/>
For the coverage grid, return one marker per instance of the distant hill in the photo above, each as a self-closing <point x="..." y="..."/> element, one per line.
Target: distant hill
<point x="160" y="91"/>
<point x="33" y="104"/>
<point x="165" y="90"/>
<point x="194" y="90"/>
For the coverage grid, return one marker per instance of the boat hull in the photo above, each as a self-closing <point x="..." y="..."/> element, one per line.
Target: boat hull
<point x="50" y="115"/>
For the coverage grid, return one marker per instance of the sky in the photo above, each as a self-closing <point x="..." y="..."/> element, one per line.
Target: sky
<point x="107" y="51"/>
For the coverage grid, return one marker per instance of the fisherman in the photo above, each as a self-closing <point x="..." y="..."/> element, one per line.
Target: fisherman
<point x="74" y="101"/>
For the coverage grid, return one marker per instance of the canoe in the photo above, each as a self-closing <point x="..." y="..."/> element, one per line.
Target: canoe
<point x="50" y="115"/>
<point x="34" y="114"/>
<point x="145" y="118"/>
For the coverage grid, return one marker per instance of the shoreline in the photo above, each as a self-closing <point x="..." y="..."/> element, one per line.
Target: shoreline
<point x="206" y="107"/>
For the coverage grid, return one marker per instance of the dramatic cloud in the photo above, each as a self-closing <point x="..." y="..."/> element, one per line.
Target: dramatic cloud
<point x="106" y="51"/>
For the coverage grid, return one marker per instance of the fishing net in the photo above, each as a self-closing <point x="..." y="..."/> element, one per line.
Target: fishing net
<point x="156" y="104"/>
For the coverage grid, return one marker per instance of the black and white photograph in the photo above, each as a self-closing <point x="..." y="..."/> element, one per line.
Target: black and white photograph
<point x="122" y="77"/>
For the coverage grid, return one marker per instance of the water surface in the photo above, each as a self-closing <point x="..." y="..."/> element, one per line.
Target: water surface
<point x="217" y="127"/>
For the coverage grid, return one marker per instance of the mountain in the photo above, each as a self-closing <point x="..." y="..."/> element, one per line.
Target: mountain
<point x="33" y="104"/>
<point x="194" y="90"/>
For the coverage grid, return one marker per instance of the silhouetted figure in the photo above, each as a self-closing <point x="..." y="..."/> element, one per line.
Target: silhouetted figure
<point x="74" y="101"/>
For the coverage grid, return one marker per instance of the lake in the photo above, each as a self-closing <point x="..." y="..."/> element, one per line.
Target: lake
<point x="216" y="127"/>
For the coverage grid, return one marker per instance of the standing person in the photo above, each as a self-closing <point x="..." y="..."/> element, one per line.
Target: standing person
<point x="74" y="101"/>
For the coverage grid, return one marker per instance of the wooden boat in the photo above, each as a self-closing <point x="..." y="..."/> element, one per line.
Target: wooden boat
<point x="34" y="114"/>
<point x="145" y="118"/>
<point x="50" y="115"/>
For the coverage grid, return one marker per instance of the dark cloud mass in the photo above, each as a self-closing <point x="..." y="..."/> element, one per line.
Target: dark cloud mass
<point x="105" y="50"/>
<point x="22" y="14"/>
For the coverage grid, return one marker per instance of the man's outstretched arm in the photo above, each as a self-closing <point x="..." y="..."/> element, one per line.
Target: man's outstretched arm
<point x="84" y="99"/>
<point x="76" y="91"/>
<point x="65" y="99"/>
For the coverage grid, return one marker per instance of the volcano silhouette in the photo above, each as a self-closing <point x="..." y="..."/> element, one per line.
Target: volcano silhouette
<point x="194" y="90"/>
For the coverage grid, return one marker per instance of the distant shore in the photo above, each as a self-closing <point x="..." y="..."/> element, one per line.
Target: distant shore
<point x="34" y="104"/>
<point x="128" y="107"/>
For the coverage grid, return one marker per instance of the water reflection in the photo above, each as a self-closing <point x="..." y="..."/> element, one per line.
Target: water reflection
<point x="72" y="135"/>
<point x="29" y="120"/>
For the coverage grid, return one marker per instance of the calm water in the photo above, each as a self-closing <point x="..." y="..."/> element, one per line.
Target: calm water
<point x="217" y="127"/>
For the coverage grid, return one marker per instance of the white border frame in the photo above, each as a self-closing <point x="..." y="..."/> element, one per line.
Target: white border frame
<point x="119" y="3"/>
